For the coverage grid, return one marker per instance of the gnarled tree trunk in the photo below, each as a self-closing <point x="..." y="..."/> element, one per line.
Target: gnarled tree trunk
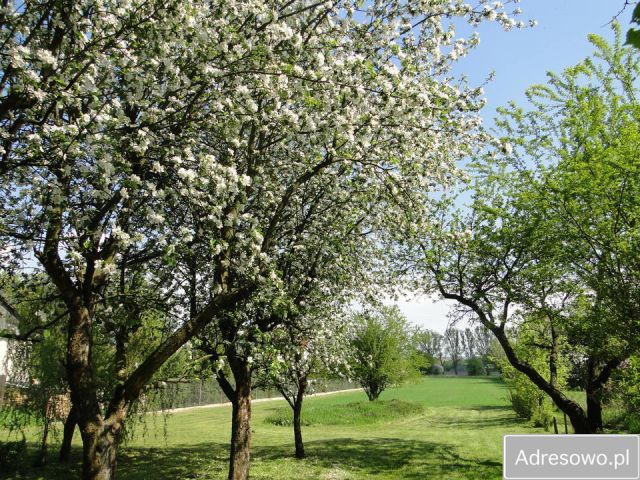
<point x="594" y="411"/>
<point x="100" y="441"/>
<point x="99" y="452"/>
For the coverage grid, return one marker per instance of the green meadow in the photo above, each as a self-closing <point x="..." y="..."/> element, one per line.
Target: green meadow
<point x="439" y="428"/>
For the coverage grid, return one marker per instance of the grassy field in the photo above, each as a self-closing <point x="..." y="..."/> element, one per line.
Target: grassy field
<point x="458" y="435"/>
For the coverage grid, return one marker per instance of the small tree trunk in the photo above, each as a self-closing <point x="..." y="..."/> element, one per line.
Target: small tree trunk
<point x="240" y="455"/>
<point x="297" y="430"/>
<point x="373" y="391"/>
<point x="297" y="418"/>
<point x="67" y="436"/>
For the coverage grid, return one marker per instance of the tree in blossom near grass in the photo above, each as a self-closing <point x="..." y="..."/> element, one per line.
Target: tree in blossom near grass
<point x="171" y="140"/>
<point x="307" y="353"/>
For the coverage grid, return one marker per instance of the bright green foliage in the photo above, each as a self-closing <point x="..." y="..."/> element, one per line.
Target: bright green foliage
<point x="633" y="34"/>
<point x="629" y="393"/>
<point x="554" y="235"/>
<point x="584" y="195"/>
<point x="475" y="367"/>
<point x="383" y="354"/>
<point x="527" y="400"/>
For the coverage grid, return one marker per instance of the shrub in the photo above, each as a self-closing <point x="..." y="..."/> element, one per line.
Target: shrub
<point x="382" y="351"/>
<point x="628" y="392"/>
<point x="475" y="367"/>
<point x="356" y="413"/>
<point x="632" y="421"/>
<point x="437" y="370"/>
<point x="529" y="402"/>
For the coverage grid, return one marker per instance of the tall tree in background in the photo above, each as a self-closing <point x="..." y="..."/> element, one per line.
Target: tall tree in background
<point x="470" y="342"/>
<point x="431" y="344"/>
<point x="554" y="234"/>
<point x="483" y="339"/>
<point x="454" y="340"/>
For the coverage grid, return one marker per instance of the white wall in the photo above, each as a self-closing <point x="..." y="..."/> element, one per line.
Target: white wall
<point x="3" y="356"/>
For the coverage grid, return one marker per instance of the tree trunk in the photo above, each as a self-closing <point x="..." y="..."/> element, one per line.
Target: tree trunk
<point x="594" y="390"/>
<point x="297" y="430"/>
<point x="100" y="441"/>
<point x="574" y="411"/>
<point x="240" y="422"/>
<point x="67" y="436"/>
<point x="373" y="391"/>
<point x="594" y="411"/>
<point x="99" y="434"/>
<point x="297" y="418"/>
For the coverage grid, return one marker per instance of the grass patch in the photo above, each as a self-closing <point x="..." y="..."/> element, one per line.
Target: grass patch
<point x="458" y="437"/>
<point x="354" y="413"/>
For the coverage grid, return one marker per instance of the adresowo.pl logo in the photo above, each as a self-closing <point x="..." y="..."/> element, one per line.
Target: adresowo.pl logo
<point x="571" y="457"/>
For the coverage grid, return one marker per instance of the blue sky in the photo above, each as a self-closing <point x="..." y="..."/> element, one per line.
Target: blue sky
<point x="519" y="59"/>
<point x="523" y="57"/>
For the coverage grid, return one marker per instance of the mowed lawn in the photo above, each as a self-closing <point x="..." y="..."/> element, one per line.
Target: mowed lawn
<point x="459" y="436"/>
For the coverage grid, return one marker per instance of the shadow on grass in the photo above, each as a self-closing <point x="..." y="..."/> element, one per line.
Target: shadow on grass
<point x="480" y="423"/>
<point x="182" y="462"/>
<point x="498" y="408"/>
<point x="365" y="458"/>
<point x="410" y="459"/>
<point x="478" y="378"/>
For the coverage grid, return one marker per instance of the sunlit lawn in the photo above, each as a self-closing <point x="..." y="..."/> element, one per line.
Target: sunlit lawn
<point x="459" y="436"/>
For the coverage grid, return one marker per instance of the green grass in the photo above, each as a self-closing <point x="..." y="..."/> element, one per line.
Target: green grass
<point x="356" y="413"/>
<point x="458" y="435"/>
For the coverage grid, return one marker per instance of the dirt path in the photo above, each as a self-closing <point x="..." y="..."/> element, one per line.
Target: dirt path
<point x="259" y="400"/>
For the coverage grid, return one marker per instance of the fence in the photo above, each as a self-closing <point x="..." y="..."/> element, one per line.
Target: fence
<point x="207" y="392"/>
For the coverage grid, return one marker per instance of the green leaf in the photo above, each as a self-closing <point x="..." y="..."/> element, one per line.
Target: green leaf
<point x="633" y="38"/>
<point x="635" y="16"/>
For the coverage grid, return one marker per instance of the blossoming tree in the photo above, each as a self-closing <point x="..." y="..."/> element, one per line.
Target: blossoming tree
<point x="170" y="140"/>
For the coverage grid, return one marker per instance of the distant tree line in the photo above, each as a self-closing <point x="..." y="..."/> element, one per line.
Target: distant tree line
<point x="457" y="350"/>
